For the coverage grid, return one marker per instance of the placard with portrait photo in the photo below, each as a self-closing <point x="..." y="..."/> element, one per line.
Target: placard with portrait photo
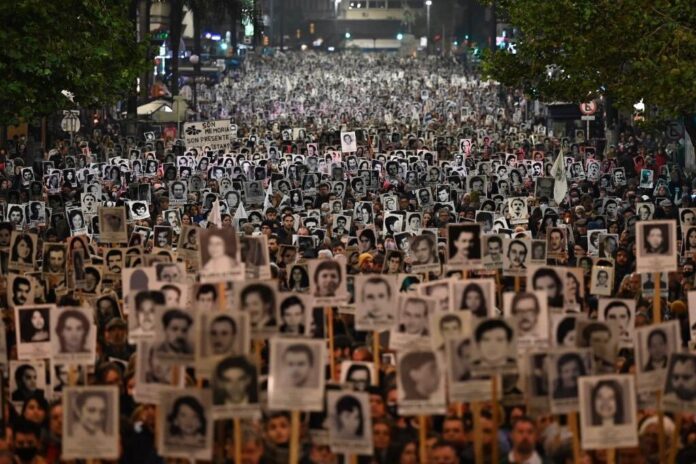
<point x="565" y="367"/>
<point x="464" y="245"/>
<point x="175" y="334"/>
<point x="112" y="225"/>
<point x="608" y="412"/>
<point x="219" y="254"/>
<point x="91" y="423"/>
<point x="33" y="331"/>
<point x="153" y="376"/>
<point x="328" y="282"/>
<point x="375" y="302"/>
<point x="492" y="245"/>
<point x="476" y="296"/>
<point x="656" y="246"/>
<point x="550" y="279"/>
<point x="515" y="257"/>
<point x="27" y="379"/>
<point x="258" y="299"/>
<point x="220" y="334"/>
<point x="296" y="379"/>
<point x="623" y="313"/>
<point x="23" y="250"/>
<point x="529" y="313"/>
<point x="73" y="335"/>
<point x="535" y="370"/>
<point x="350" y="422"/>
<point x="185" y="425"/>
<point x="420" y="382"/>
<point x="294" y="314"/>
<point x="412" y="328"/>
<point x="602" y="338"/>
<point x="602" y="280"/>
<point x="424" y="252"/>
<point x="653" y="346"/>
<point x="234" y="381"/>
<point x="494" y="349"/>
<point x="462" y="384"/>
<point x="680" y="383"/>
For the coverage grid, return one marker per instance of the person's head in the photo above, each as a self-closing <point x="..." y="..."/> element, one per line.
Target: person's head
<point x="607" y="402"/>
<point x="327" y="277"/>
<point x="602" y="277"/>
<point x="91" y="410"/>
<point x="176" y="325"/>
<point x="258" y="300"/>
<point x="474" y="300"/>
<point x="349" y="416"/>
<point x="565" y="332"/>
<point x="658" y="348"/>
<point x="35" y="409"/>
<point x="569" y="367"/>
<point x="292" y="313"/>
<point x="495" y="245"/>
<point x="376" y="294"/>
<point x="444" y="453"/>
<point x="523" y="436"/>
<point x="618" y="312"/>
<point x="72" y="328"/>
<point x="423" y="248"/>
<point x="168" y="272"/>
<point x="298" y="359"/>
<point x="419" y="373"/>
<point x="236" y="378"/>
<point x="277" y="428"/>
<point x="56" y="259"/>
<point x="414" y="316"/>
<point x="454" y="431"/>
<point x="493" y="337"/>
<point x="21" y="289"/>
<point x="682" y="376"/>
<point x="27" y="440"/>
<point x="222" y="333"/>
<point x="517" y="253"/>
<point x="525" y="308"/>
<point x="463" y="242"/>
<point x="450" y="326"/>
<point x="654" y="237"/>
<point x="145" y="303"/>
<point x="187" y="418"/>
<point x="359" y="376"/>
<point x="217" y="246"/>
<point x="548" y="280"/>
<point x="206" y="297"/>
<point x="23" y="249"/>
<point x="26" y="378"/>
<point x="367" y="240"/>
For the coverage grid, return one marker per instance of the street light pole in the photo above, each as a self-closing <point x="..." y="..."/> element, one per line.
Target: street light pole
<point x="428" y="4"/>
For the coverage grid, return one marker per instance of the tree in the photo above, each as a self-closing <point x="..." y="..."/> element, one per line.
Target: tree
<point x="87" y="47"/>
<point x="578" y="50"/>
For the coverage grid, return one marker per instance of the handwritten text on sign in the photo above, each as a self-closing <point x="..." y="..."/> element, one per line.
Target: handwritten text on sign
<point x="214" y="134"/>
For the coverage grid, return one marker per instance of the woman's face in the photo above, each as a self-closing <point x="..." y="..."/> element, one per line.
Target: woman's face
<point x="73" y="334"/>
<point x="255" y="306"/>
<point x="350" y="421"/>
<point x="605" y="402"/>
<point x="569" y="373"/>
<point x="293" y="316"/>
<point x="692" y="239"/>
<point x="34" y="413"/>
<point x="297" y="275"/>
<point x="408" y="455"/>
<point x="23" y="249"/>
<point x="187" y="420"/>
<point x="216" y="247"/>
<point x="77" y="221"/>
<point x="93" y="413"/>
<point x="473" y="300"/>
<point x="37" y="321"/>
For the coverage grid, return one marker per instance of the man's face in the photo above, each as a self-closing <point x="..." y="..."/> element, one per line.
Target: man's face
<point x="235" y="382"/>
<point x="494" y="346"/>
<point x="527" y="313"/>
<point x="684" y="380"/>
<point x="422" y="251"/>
<point x="394" y="264"/>
<point x="293" y="316"/>
<point x="328" y="281"/>
<point x="16" y="216"/>
<point x="376" y="297"/>
<point x="170" y="274"/>
<point x="178" y="191"/>
<point x="689" y="218"/>
<point x="620" y="315"/>
<point x="146" y="315"/>
<point x="360" y="379"/>
<point x="602" y="278"/>
<point x="205" y="301"/>
<point x="298" y="367"/>
<point x="56" y="260"/>
<point x="464" y="243"/>
<point x="657" y="347"/>
<point x="494" y="248"/>
<point x="29" y="379"/>
<point x="599" y="341"/>
<point x="4" y="237"/>
<point x="21" y="293"/>
<point x="114" y="263"/>
<point x="517" y="254"/>
<point x="523" y="438"/>
<point x="654" y="238"/>
<point x="569" y="372"/>
<point x="516" y="206"/>
<point x="556" y="240"/>
<point x="449" y="329"/>
<point x="176" y="334"/>
<point x="221" y="337"/>
<point x="414" y="317"/>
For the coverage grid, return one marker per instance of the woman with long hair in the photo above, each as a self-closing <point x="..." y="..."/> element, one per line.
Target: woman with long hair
<point x="23" y="250"/>
<point x="474" y="300"/>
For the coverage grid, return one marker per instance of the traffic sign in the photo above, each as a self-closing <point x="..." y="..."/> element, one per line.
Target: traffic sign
<point x="71" y="121"/>
<point x="586" y="117"/>
<point x="588" y="108"/>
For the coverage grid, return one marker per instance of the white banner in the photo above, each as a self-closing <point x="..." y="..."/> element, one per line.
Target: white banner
<point x="214" y="134"/>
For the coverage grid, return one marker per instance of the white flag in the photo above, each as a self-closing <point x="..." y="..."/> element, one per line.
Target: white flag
<point x="560" y="186"/>
<point x="215" y="214"/>
<point x="240" y="213"/>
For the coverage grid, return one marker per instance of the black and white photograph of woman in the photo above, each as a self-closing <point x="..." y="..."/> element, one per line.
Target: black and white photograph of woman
<point x="90" y="422"/>
<point x="186" y="423"/>
<point x="34" y="335"/>
<point x="608" y="411"/>
<point x="350" y="424"/>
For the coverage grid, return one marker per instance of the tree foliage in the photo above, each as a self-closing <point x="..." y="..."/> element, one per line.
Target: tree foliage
<point x="87" y="47"/>
<point x="577" y="50"/>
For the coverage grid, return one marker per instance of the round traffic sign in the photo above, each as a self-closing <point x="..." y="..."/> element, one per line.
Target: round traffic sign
<point x="588" y="108"/>
<point x="70" y="123"/>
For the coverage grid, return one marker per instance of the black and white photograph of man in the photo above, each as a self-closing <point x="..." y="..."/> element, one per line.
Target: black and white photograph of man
<point x="622" y="312"/>
<point x="54" y="258"/>
<point x="297" y="374"/>
<point x="464" y="244"/>
<point x="219" y="255"/>
<point x="494" y="348"/>
<point x="349" y="142"/>
<point x="174" y="335"/>
<point x="112" y="224"/>
<point x="529" y="312"/>
<point x="357" y="375"/>
<point x="350" y="422"/>
<point x="425" y="254"/>
<point x="653" y="346"/>
<point x="375" y="302"/>
<point x="517" y="210"/>
<point x="27" y="379"/>
<point x="328" y="284"/>
<point x="515" y="257"/>
<point x="90" y="422"/>
<point x="220" y="334"/>
<point x="20" y="290"/>
<point x="602" y="280"/>
<point x="235" y="387"/>
<point x="680" y="383"/>
<point x="656" y="247"/>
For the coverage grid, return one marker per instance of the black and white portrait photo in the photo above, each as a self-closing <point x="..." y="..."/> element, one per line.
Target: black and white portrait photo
<point x="358" y="376"/>
<point x="296" y="374"/>
<point x="529" y="312"/>
<point x="112" y="224"/>
<point x="185" y="424"/>
<point x="425" y="253"/>
<point x="680" y="383"/>
<point x="550" y="280"/>
<point x="602" y="280"/>
<point x="420" y="382"/>
<point x="602" y="338"/>
<point x="235" y="387"/>
<point x="477" y="296"/>
<point x="608" y="411"/>
<point x="73" y="335"/>
<point x="91" y="422"/>
<point x="517" y="210"/>
<point x="27" y="379"/>
<point x="463" y="385"/>
<point x="565" y="366"/>
<point x="349" y="142"/>
<point x="20" y="290"/>
<point x="220" y="334"/>
<point x="656" y="246"/>
<point x="653" y="346"/>
<point x="412" y="327"/>
<point x="327" y="281"/>
<point x="219" y="255"/>
<point x="494" y="349"/>
<point x="622" y="312"/>
<point x="34" y="337"/>
<point x="139" y="210"/>
<point x="350" y="422"/>
<point x="375" y="302"/>
<point x="259" y="300"/>
<point x="515" y="257"/>
<point x="174" y="335"/>
<point x="23" y="250"/>
<point x="464" y="245"/>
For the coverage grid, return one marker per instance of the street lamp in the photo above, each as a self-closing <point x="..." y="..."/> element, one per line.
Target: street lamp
<point x="428" y="4"/>
<point x="194" y="59"/>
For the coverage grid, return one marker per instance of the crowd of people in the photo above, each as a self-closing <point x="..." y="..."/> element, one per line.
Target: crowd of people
<point x="393" y="255"/>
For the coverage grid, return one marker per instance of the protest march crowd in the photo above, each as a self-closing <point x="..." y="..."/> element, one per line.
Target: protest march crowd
<point x="350" y="258"/>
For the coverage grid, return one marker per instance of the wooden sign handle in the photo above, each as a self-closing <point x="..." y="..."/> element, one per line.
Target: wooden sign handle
<point x="422" y="439"/>
<point x="294" y="437"/>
